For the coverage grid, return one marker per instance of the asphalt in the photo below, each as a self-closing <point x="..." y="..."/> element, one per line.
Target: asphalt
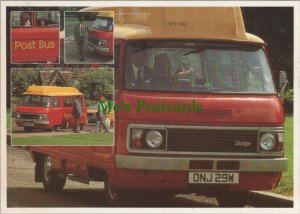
<point x="269" y="199"/>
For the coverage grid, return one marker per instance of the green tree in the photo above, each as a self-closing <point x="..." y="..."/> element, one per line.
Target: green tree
<point x="23" y="78"/>
<point x="97" y="82"/>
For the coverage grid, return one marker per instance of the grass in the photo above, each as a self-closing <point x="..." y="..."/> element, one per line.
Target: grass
<point x="8" y="120"/>
<point x="285" y="186"/>
<point x="95" y="139"/>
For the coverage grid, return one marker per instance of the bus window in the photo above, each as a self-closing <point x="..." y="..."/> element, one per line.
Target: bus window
<point x="21" y="19"/>
<point x="47" y="19"/>
<point x="67" y="101"/>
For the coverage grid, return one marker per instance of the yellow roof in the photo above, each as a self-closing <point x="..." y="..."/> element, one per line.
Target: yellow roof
<point x="99" y="12"/>
<point x="52" y="91"/>
<point x="219" y="23"/>
<point x="109" y="14"/>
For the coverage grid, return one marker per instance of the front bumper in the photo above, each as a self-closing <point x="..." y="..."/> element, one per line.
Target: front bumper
<point x="98" y="49"/>
<point x="34" y="122"/>
<point x="183" y="164"/>
<point x="172" y="173"/>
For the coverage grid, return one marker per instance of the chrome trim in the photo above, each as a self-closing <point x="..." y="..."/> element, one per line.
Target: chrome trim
<point x="267" y="129"/>
<point x="98" y="48"/>
<point x="38" y="122"/>
<point x="157" y="126"/>
<point x="182" y="164"/>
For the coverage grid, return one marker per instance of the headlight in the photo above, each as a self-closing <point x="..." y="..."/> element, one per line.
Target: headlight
<point x="136" y="138"/>
<point x="267" y="142"/>
<point x="154" y="139"/>
<point x="43" y="117"/>
<point x="102" y="43"/>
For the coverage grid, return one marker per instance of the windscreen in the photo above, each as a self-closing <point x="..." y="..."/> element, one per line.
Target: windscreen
<point x="103" y="23"/>
<point x="35" y="100"/>
<point x="197" y="67"/>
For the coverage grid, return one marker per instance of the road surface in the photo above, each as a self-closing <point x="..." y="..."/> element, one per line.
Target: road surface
<point x="22" y="191"/>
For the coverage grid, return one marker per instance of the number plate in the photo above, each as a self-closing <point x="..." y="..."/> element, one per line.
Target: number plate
<point x="27" y="123"/>
<point x="213" y="178"/>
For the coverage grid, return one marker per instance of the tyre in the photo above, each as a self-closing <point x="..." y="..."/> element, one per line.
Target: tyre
<point x="28" y="129"/>
<point x="114" y="197"/>
<point x="54" y="129"/>
<point x="232" y="198"/>
<point x="51" y="181"/>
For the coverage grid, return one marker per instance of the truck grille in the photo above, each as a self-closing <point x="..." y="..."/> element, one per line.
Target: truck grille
<point x="29" y="116"/>
<point x="93" y="40"/>
<point x="201" y="140"/>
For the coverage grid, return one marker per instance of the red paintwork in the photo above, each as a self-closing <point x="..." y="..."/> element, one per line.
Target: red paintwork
<point x="178" y="180"/>
<point x="218" y="110"/>
<point x="35" y="44"/>
<point x="108" y="36"/>
<point x="57" y="116"/>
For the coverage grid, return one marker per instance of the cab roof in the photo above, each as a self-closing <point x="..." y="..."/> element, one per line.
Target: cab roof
<point x="52" y="91"/>
<point x="216" y="23"/>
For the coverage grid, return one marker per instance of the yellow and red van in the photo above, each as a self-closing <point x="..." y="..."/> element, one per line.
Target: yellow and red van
<point x="49" y="107"/>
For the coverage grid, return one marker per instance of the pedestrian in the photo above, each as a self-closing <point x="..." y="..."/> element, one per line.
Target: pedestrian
<point x="101" y="114"/>
<point x="80" y="32"/>
<point x="77" y="111"/>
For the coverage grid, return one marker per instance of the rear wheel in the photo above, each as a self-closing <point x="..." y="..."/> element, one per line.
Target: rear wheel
<point x="50" y="178"/>
<point x="232" y="198"/>
<point x="54" y="129"/>
<point x="28" y="129"/>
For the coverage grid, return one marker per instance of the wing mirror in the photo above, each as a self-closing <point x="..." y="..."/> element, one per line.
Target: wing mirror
<point x="283" y="81"/>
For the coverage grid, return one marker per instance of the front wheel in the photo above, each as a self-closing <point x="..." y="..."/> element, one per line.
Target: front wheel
<point x="232" y="198"/>
<point x="113" y="197"/>
<point x="51" y="181"/>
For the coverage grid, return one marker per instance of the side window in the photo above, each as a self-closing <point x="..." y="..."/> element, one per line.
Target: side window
<point x="21" y="19"/>
<point x="67" y="101"/>
<point x="55" y="102"/>
<point x="47" y="18"/>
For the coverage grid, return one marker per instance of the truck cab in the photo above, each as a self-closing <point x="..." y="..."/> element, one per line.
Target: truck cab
<point x="100" y="38"/>
<point x="204" y="117"/>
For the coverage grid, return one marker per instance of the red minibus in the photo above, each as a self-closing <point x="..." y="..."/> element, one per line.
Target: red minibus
<point x="49" y="107"/>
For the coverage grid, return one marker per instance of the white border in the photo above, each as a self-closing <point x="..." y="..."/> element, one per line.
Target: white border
<point x="294" y="4"/>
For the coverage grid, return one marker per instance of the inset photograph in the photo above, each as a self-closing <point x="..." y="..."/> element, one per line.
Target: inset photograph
<point x="35" y="36"/>
<point x="62" y="107"/>
<point x="89" y="37"/>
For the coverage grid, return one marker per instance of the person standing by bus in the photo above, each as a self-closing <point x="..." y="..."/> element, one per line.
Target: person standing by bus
<point x="80" y="31"/>
<point x="101" y="114"/>
<point x="77" y="111"/>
